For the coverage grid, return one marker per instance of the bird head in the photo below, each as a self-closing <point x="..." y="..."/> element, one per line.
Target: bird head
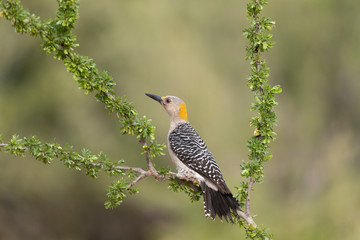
<point x="174" y="106"/>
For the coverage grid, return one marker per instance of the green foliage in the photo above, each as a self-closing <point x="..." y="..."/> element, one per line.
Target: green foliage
<point x="259" y="41"/>
<point x="242" y="193"/>
<point x="164" y="171"/>
<point x="84" y="161"/>
<point x="117" y="191"/>
<point x="46" y="152"/>
<point x="258" y="233"/>
<point x="193" y="191"/>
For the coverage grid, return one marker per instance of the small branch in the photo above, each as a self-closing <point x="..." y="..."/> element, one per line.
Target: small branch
<point x="148" y="160"/>
<point x="156" y="175"/>
<point x="142" y="176"/>
<point x="145" y="174"/>
<point x="148" y="173"/>
<point x="3" y="145"/>
<point x="247" y="203"/>
<point x="137" y="170"/>
<point x="151" y="172"/>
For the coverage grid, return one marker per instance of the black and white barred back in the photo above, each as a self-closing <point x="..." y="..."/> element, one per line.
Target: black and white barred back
<point x="191" y="150"/>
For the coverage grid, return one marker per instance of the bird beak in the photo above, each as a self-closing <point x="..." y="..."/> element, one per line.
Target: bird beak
<point x="155" y="97"/>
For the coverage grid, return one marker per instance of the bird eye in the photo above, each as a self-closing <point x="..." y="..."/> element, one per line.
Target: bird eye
<point x="168" y="100"/>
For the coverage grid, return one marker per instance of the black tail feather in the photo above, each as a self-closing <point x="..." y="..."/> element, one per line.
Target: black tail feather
<point x="219" y="203"/>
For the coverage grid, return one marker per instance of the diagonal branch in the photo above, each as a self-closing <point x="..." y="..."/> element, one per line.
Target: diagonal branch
<point x="142" y="176"/>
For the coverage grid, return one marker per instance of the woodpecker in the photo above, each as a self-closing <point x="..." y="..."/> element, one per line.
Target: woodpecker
<point x="195" y="162"/>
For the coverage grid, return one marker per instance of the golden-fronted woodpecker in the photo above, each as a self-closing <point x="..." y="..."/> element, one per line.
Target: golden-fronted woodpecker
<point x="195" y="162"/>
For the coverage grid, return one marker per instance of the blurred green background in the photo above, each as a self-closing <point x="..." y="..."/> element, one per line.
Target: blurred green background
<point x="194" y="50"/>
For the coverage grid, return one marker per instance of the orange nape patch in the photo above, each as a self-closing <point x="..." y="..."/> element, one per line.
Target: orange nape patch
<point x="182" y="111"/>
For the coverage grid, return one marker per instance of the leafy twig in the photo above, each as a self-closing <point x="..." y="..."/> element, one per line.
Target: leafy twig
<point x="258" y="42"/>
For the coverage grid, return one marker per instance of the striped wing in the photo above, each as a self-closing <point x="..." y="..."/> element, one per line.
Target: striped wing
<point x="192" y="151"/>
